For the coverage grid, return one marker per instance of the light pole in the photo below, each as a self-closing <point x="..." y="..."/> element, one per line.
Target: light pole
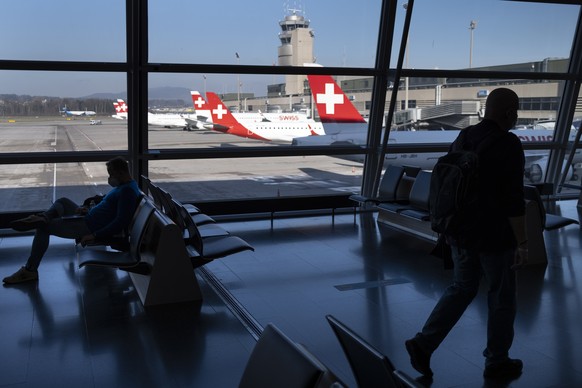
<point x="472" y="27"/>
<point x="204" y="76"/>
<point x="405" y="5"/>
<point x="238" y="83"/>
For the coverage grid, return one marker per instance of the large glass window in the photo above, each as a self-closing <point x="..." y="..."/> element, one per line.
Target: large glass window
<point x="33" y="187"/>
<point x="61" y="111"/>
<point x="483" y="34"/>
<point x="445" y="106"/>
<point x="264" y="32"/>
<point x="256" y="178"/>
<point x="63" y="30"/>
<point x="261" y="111"/>
<point x="289" y="136"/>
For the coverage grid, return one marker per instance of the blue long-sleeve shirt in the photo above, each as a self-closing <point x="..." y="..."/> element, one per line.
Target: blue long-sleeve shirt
<point x="114" y="213"/>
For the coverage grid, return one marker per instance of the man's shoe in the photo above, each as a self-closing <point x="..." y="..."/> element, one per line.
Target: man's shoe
<point x="21" y="276"/>
<point x="419" y="359"/>
<point x="29" y="223"/>
<point x="509" y="368"/>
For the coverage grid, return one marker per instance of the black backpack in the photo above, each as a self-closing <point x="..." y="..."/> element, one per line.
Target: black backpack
<point x="454" y="186"/>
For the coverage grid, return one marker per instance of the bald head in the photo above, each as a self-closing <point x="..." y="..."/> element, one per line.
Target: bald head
<point x="502" y="106"/>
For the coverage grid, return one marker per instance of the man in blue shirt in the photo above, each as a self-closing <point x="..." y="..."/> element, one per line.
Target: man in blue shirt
<point x="111" y="216"/>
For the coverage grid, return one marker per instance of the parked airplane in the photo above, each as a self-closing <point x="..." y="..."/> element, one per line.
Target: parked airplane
<point x="77" y="113"/>
<point x="169" y="120"/>
<point x="205" y="118"/>
<point x="344" y="125"/>
<point x="281" y="131"/>
<point x="120" y="109"/>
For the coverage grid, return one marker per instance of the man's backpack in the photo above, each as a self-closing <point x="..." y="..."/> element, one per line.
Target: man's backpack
<point x="454" y="186"/>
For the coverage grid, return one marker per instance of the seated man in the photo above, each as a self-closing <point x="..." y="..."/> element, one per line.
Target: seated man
<point x="111" y="216"/>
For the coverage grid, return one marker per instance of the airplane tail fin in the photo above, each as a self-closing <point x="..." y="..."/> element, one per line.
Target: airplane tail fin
<point x="224" y="121"/>
<point x="201" y="107"/>
<point x="219" y="112"/>
<point x="198" y="101"/>
<point x="332" y="103"/>
<point x="122" y="106"/>
<point x="120" y="109"/>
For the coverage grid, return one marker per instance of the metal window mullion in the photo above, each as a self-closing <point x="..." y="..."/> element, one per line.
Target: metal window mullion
<point x="137" y="85"/>
<point x="374" y="159"/>
<point x="557" y="171"/>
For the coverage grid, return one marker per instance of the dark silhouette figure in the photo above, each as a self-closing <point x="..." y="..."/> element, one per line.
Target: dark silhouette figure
<point x="492" y="247"/>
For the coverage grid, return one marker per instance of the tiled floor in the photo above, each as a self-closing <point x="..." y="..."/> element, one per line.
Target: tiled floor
<point x="87" y="327"/>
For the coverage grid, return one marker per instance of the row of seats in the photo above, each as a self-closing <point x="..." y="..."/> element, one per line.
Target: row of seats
<point x="277" y="361"/>
<point x="157" y="260"/>
<point x="205" y="239"/>
<point x="403" y="202"/>
<point x="165" y="245"/>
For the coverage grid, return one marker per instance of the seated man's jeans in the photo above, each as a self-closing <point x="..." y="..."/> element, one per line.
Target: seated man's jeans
<point x="56" y="226"/>
<point x="469" y="266"/>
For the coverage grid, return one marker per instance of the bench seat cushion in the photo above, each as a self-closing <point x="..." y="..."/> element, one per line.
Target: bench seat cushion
<point x="419" y="214"/>
<point x="217" y="247"/>
<point x="393" y="207"/>
<point x="104" y="258"/>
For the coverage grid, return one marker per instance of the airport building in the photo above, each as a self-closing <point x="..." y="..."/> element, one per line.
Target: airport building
<point x="261" y="235"/>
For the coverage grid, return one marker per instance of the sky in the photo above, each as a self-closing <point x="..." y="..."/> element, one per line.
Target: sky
<point x="346" y="31"/>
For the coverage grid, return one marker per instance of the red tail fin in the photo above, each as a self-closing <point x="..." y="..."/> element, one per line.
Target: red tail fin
<point x="220" y="113"/>
<point x="122" y="106"/>
<point x="332" y="104"/>
<point x="224" y="121"/>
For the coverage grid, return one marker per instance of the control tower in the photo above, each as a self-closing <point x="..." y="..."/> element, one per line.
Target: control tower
<point x="296" y="48"/>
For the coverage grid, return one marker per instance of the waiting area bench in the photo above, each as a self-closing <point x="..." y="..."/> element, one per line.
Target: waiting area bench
<point x="157" y="261"/>
<point x="161" y="259"/>
<point x="205" y="241"/>
<point x="403" y="203"/>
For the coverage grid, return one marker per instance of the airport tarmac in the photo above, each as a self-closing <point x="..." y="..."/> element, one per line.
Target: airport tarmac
<point x="31" y="187"/>
<point x="34" y="187"/>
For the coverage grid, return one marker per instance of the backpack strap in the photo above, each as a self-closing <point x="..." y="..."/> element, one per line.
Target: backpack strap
<point x="460" y="142"/>
<point x="489" y="140"/>
<point x="486" y="142"/>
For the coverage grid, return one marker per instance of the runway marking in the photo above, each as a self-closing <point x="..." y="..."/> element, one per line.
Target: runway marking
<point x="54" y="143"/>
<point x="54" y="182"/>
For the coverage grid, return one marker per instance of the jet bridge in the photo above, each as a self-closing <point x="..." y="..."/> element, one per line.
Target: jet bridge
<point x="457" y="114"/>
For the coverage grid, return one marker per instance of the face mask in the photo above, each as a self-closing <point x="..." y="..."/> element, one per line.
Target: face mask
<point x="113" y="182"/>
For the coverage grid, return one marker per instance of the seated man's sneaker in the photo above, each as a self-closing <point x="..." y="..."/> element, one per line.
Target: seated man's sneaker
<point x="21" y="276"/>
<point x="510" y="368"/>
<point x="419" y="359"/>
<point x="29" y="223"/>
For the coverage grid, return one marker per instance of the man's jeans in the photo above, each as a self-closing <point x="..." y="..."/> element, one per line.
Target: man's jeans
<point x="56" y="226"/>
<point x="469" y="266"/>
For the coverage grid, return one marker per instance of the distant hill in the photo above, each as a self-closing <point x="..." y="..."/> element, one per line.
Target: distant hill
<point x="160" y="93"/>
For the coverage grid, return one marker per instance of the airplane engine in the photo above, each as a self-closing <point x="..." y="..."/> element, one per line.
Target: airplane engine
<point x="536" y="172"/>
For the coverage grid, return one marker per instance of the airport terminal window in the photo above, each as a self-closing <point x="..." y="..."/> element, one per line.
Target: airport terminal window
<point x="481" y="34"/>
<point x="54" y="112"/>
<point x="63" y="30"/>
<point x="539" y="103"/>
<point x="255" y="178"/>
<point x="213" y="113"/>
<point x="436" y="114"/>
<point x="264" y="32"/>
<point x="33" y="187"/>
